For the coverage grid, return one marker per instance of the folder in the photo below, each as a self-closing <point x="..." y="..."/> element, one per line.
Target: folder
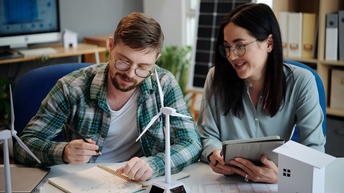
<point x="308" y="34"/>
<point x="294" y="35"/>
<point x="331" y="38"/>
<point x="283" y="22"/>
<point x="341" y="34"/>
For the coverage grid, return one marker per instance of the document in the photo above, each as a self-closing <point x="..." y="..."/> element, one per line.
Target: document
<point x="102" y="179"/>
<point x="223" y="184"/>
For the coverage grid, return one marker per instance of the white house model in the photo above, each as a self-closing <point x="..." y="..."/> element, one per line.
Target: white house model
<point x="70" y="39"/>
<point x="301" y="169"/>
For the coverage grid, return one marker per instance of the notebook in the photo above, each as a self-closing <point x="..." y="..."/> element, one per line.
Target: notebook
<point x="102" y="178"/>
<point x="251" y="149"/>
<point x="23" y="179"/>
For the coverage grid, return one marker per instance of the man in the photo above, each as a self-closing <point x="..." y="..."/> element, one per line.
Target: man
<point x="111" y="104"/>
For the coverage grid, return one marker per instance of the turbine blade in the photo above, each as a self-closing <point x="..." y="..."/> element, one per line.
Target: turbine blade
<point x="159" y="89"/>
<point x="25" y="147"/>
<point x="12" y="109"/>
<point x="149" y="124"/>
<point x="180" y="115"/>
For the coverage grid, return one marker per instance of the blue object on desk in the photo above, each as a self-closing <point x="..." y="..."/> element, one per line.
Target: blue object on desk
<point x="33" y="87"/>
<point x="321" y="92"/>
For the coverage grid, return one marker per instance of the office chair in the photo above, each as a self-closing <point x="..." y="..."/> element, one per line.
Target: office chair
<point x="33" y="87"/>
<point x="321" y="92"/>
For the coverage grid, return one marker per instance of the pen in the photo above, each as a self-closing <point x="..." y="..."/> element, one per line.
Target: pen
<point x="81" y="136"/>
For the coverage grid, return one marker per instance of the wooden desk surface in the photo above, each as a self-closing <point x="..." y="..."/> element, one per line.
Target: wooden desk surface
<point x="60" y="52"/>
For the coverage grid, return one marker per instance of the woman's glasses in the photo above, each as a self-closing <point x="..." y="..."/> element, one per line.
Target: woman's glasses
<point x="238" y="49"/>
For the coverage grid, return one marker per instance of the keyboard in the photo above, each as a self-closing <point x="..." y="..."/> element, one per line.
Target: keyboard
<point x="37" y="51"/>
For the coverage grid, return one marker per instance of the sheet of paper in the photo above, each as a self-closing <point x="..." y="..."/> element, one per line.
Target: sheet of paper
<point x="93" y="180"/>
<point x="223" y="184"/>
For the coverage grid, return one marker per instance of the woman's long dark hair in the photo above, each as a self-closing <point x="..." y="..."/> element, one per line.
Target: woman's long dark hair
<point x="227" y="87"/>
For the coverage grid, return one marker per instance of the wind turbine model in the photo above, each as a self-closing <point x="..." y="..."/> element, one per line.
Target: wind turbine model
<point x="4" y="136"/>
<point x="167" y="186"/>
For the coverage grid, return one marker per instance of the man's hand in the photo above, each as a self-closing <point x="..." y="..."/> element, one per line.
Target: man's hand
<point x="79" y="152"/>
<point x="137" y="169"/>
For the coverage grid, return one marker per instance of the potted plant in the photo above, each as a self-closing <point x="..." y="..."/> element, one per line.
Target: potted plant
<point x="176" y="60"/>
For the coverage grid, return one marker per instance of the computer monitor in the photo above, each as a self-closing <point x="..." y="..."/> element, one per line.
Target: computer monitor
<point x="24" y="22"/>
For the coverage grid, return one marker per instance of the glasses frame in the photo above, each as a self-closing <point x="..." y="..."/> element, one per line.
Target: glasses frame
<point x="224" y="53"/>
<point x="129" y="67"/>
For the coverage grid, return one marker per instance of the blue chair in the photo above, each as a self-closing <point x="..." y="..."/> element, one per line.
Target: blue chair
<point x="321" y="92"/>
<point x="33" y="87"/>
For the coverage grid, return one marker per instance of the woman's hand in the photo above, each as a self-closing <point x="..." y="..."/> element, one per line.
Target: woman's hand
<point x="267" y="173"/>
<point x="218" y="164"/>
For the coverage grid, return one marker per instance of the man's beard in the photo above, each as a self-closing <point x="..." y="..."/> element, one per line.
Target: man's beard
<point x="124" y="89"/>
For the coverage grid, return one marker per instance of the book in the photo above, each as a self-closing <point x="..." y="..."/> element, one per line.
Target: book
<point x="308" y="34"/>
<point x="331" y="47"/>
<point x="341" y="34"/>
<point x="23" y="179"/>
<point x="102" y="178"/>
<point x="294" y="34"/>
<point x="283" y="21"/>
<point x="251" y="149"/>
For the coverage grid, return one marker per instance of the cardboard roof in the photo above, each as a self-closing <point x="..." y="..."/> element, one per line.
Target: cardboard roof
<point x="304" y="154"/>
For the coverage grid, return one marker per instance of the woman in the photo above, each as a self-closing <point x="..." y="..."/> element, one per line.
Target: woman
<point x="250" y="92"/>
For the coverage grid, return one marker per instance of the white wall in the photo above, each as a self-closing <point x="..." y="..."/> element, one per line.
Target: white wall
<point x="171" y="16"/>
<point x="91" y="18"/>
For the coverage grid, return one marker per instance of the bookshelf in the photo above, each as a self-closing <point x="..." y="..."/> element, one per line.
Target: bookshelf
<point x="322" y="66"/>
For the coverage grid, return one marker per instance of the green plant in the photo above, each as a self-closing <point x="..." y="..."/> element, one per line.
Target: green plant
<point x="176" y="60"/>
<point x="5" y="106"/>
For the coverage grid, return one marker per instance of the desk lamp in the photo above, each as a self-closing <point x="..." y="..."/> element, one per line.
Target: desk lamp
<point x="4" y="136"/>
<point x="168" y="186"/>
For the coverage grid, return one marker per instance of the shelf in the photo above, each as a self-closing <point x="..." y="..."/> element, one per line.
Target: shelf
<point x="60" y="52"/>
<point x="335" y="112"/>
<point x="322" y="66"/>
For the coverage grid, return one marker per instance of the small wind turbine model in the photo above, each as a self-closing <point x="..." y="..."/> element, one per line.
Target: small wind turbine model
<point x="167" y="186"/>
<point x="4" y="136"/>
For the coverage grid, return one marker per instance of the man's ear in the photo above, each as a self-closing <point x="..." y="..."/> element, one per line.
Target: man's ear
<point x="110" y="44"/>
<point x="270" y="43"/>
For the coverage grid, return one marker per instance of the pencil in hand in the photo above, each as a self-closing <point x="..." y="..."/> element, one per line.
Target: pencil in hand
<point x="81" y="137"/>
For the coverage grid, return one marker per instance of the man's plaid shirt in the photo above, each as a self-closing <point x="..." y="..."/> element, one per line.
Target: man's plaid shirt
<point x="79" y="100"/>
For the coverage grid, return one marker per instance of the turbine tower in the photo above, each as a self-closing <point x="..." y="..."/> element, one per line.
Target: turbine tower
<point x="4" y="136"/>
<point x="168" y="186"/>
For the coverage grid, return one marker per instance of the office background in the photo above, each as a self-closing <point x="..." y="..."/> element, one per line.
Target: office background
<point x="92" y="18"/>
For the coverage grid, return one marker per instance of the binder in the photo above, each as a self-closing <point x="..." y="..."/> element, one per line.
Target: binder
<point x="341" y="34"/>
<point x="294" y="35"/>
<point x="308" y="34"/>
<point x="331" y="46"/>
<point x="283" y="22"/>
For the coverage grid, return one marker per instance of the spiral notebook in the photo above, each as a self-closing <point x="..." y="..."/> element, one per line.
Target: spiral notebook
<point x="102" y="179"/>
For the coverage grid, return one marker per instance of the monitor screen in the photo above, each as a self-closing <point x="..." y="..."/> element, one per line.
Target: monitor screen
<point x="24" y="22"/>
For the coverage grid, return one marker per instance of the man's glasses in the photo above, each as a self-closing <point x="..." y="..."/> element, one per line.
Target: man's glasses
<point x="238" y="49"/>
<point x="125" y="66"/>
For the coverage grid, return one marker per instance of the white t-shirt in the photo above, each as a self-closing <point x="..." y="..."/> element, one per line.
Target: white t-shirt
<point x="120" y="144"/>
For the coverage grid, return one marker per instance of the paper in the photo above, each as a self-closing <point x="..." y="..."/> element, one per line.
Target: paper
<point x="232" y="184"/>
<point x="95" y="180"/>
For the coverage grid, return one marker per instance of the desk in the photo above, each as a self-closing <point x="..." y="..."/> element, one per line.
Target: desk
<point x="201" y="175"/>
<point x="62" y="52"/>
